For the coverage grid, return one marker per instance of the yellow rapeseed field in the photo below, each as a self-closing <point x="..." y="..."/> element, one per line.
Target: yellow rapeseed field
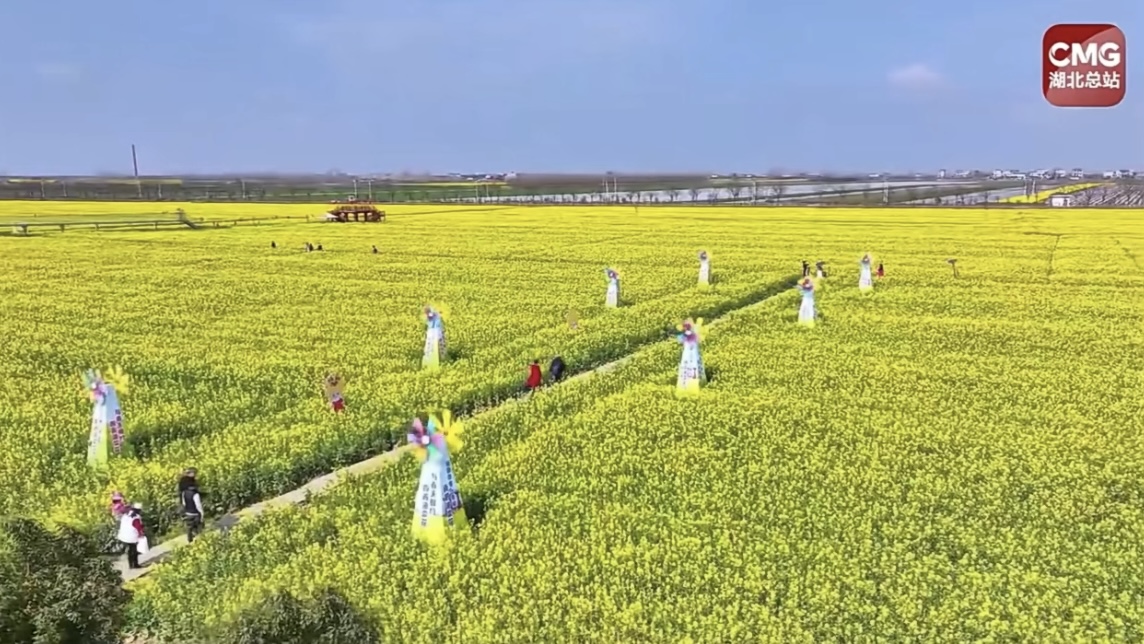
<point x="945" y="459"/>
<point x="226" y="340"/>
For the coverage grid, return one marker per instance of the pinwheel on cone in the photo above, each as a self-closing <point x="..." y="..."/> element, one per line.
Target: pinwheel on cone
<point x="431" y="310"/>
<point x="427" y="442"/>
<point x="445" y="425"/>
<point x="690" y="329"/>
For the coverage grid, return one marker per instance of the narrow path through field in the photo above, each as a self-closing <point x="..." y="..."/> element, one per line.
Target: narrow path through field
<point x="299" y="496"/>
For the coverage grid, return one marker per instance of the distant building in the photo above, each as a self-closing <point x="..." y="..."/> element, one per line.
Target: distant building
<point x="1059" y="200"/>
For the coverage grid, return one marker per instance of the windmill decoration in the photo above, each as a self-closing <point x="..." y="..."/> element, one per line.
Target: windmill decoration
<point x="435" y="346"/>
<point x="107" y="430"/>
<point x="612" y="300"/>
<point x="806" y="310"/>
<point x="692" y="375"/>
<point x="865" y="275"/>
<point x="437" y="508"/>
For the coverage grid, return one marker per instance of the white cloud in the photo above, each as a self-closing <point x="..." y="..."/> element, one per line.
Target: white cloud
<point x="916" y="77"/>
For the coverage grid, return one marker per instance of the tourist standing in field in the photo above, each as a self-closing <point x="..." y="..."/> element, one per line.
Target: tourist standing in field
<point x="806" y="312"/>
<point x="535" y="378"/>
<point x="820" y="269"/>
<point x="132" y="535"/>
<point x="881" y="271"/>
<point x="704" y="268"/>
<point x="865" y="281"/>
<point x="805" y="269"/>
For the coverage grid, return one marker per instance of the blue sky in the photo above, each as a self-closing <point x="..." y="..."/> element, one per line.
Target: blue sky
<point x="549" y="85"/>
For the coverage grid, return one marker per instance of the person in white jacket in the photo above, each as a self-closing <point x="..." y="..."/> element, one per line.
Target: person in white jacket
<point x="132" y="535"/>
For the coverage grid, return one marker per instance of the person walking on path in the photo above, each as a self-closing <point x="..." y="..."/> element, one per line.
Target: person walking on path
<point x="556" y="369"/>
<point x="132" y="535"/>
<point x="535" y="378"/>
<point x="192" y="503"/>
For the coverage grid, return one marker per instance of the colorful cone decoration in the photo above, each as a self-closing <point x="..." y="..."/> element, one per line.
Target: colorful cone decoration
<point x="435" y="348"/>
<point x="437" y="509"/>
<point x="107" y="430"/>
<point x="692" y="375"/>
<point x="612" y="300"/>
<point x="806" y="310"/>
<point x="865" y="277"/>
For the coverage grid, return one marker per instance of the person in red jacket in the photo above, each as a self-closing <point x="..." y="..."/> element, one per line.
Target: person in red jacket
<point x="881" y="271"/>
<point x="535" y="377"/>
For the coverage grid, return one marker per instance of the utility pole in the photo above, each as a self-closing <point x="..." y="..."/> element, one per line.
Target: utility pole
<point x="135" y="167"/>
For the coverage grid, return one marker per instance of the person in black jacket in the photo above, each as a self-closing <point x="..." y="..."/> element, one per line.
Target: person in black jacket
<point x="556" y="369"/>
<point x="192" y="503"/>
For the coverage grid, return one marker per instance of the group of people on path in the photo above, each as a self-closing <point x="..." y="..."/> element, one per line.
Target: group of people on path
<point x="131" y="531"/>
<point x="535" y="378"/>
